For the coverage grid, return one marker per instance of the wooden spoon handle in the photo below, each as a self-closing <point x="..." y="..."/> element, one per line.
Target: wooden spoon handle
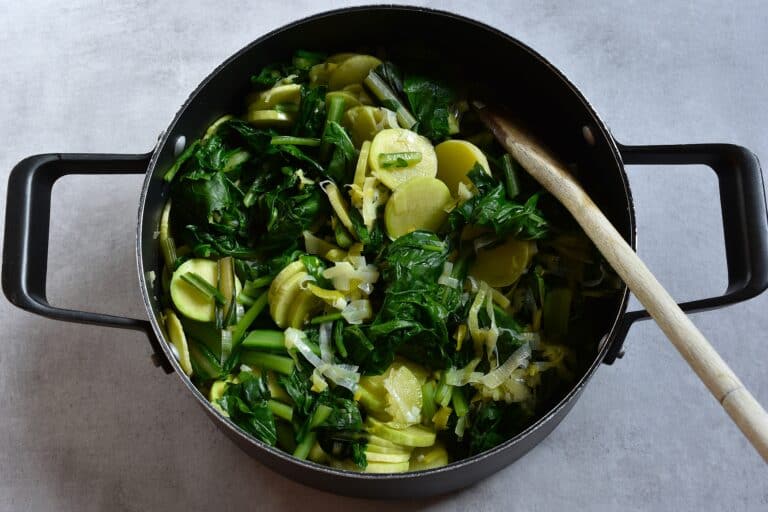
<point x="726" y="387"/>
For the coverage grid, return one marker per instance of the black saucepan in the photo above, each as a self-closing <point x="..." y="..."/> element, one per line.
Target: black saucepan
<point x="466" y="48"/>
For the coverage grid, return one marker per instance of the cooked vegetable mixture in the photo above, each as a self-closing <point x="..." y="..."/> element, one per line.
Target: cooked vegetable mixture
<point x="356" y="273"/>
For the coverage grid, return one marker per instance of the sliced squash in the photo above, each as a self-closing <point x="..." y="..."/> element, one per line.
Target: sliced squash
<point x="363" y="122"/>
<point x="284" y="292"/>
<point x="338" y="58"/>
<point x="187" y="299"/>
<point x="268" y="118"/>
<point x="455" y="158"/>
<point x="179" y="340"/>
<point x="387" y="467"/>
<point x="415" y="435"/>
<point x="374" y="456"/>
<point x="400" y="140"/>
<point x="319" y="74"/>
<point x="289" y="94"/>
<point x="503" y="264"/>
<point x="428" y="458"/>
<point x="359" y="92"/>
<point x="420" y="203"/>
<point x="352" y="70"/>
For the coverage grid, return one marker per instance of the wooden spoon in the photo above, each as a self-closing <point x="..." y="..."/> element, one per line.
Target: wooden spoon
<point x="726" y="387"/>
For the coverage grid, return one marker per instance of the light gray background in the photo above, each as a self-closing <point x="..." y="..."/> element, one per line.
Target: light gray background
<point x="86" y="421"/>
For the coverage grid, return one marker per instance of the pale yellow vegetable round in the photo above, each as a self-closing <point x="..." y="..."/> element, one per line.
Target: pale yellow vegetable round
<point x="320" y="73"/>
<point x="421" y="373"/>
<point x="187" y="299"/>
<point x="283" y="291"/>
<point x="400" y="140"/>
<point x="420" y="203"/>
<point x="268" y="118"/>
<point x="289" y="94"/>
<point x="415" y="436"/>
<point x="428" y="458"/>
<point x="374" y="456"/>
<point x="338" y="58"/>
<point x="404" y="399"/>
<point x="179" y="340"/>
<point x="380" y="442"/>
<point x="352" y="71"/>
<point x="364" y="122"/>
<point x="455" y="158"/>
<point x="350" y="101"/>
<point x="361" y="168"/>
<point x="361" y="123"/>
<point x="503" y="264"/>
<point x="304" y="303"/>
<point x="282" y="276"/>
<point x="359" y="92"/>
<point x="285" y="296"/>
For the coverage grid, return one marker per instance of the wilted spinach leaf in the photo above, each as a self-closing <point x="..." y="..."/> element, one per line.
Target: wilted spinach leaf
<point x="430" y="101"/>
<point x="412" y="259"/>
<point x="490" y="207"/>
<point x="344" y="155"/>
<point x="311" y="118"/>
<point x="288" y="209"/>
<point x="246" y="404"/>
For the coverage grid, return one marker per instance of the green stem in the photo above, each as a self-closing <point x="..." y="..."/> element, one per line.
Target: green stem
<point x="387" y="97"/>
<point x="428" y="408"/>
<point x="460" y="405"/>
<point x="318" y="417"/>
<point x="432" y="248"/>
<point x="227" y="289"/>
<point x="236" y="159"/>
<point x="244" y="299"/>
<point x="338" y="338"/>
<point x="443" y="393"/>
<point x="265" y="339"/>
<point x="203" y="287"/>
<point x="399" y="160"/>
<point x="510" y="176"/>
<point x="279" y="364"/>
<point x="248" y="318"/>
<point x="183" y="157"/>
<point x="281" y="410"/>
<point x="302" y="449"/>
<point x="261" y="282"/>
<point x="295" y="141"/>
<point x="335" y="113"/>
<point x="168" y="246"/>
<point x="330" y="317"/>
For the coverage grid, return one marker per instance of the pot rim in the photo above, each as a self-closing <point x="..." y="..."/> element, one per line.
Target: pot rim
<point x="604" y="345"/>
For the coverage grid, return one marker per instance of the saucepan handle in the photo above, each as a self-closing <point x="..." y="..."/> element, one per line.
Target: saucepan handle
<point x="745" y="221"/>
<point x="27" y="222"/>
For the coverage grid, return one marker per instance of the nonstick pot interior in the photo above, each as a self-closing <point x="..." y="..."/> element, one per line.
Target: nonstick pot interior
<point x="497" y="69"/>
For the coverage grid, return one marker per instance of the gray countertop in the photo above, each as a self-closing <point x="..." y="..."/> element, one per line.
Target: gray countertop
<point x="86" y="421"/>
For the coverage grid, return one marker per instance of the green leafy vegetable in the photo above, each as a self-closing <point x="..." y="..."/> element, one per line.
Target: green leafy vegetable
<point x="247" y="404"/>
<point x="344" y="155"/>
<point x="430" y="102"/>
<point x="490" y="207"/>
<point x="311" y="118"/>
<point x="413" y="259"/>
